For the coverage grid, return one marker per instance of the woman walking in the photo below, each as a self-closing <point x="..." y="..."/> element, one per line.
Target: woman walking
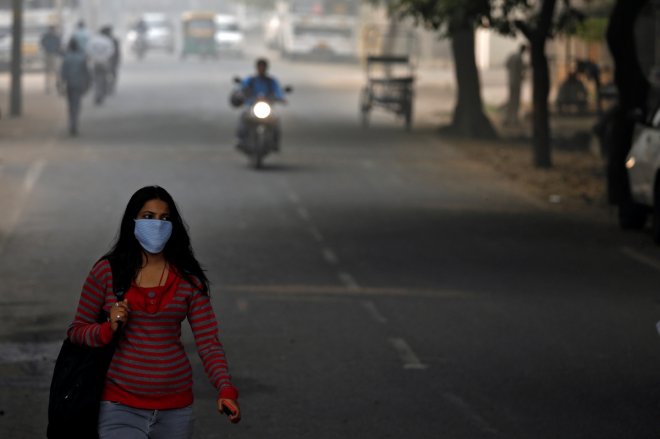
<point x="148" y="388"/>
<point x="76" y="78"/>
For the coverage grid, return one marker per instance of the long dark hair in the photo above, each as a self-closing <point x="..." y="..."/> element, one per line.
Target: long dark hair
<point x="126" y="253"/>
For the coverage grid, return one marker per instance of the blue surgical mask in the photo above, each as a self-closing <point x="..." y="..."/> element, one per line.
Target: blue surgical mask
<point x="153" y="234"/>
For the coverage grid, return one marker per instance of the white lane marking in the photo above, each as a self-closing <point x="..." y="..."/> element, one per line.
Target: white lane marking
<point x="348" y="280"/>
<point x="33" y="174"/>
<point x="28" y="352"/>
<point x="242" y="305"/>
<point x="316" y="233"/>
<point x="369" y="164"/>
<point x="375" y="314"/>
<point x="31" y="177"/>
<point x="335" y="290"/>
<point x="294" y="198"/>
<point x="469" y="412"/>
<point x="641" y="258"/>
<point x="330" y="256"/>
<point x="303" y="213"/>
<point x="408" y="357"/>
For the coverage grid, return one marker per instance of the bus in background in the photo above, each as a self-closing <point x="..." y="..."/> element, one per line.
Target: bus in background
<point x="319" y="27"/>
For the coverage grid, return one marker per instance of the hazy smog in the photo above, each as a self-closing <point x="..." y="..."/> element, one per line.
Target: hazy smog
<point x="403" y="235"/>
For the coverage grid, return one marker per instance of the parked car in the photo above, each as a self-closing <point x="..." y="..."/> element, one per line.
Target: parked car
<point x="33" y="59"/>
<point x="643" y="165"/>
<point x="228" y="34"/>
<point x="5" y="48"/>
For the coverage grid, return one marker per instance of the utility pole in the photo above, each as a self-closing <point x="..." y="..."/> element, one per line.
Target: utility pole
<point x="15" y="102"/>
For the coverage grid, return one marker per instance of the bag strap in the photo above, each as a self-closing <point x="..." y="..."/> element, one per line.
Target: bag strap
<point x="119" y="286"/>
<point x="118" y="280"/>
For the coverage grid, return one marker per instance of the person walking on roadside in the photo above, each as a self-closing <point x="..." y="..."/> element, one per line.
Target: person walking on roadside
<point x="51" y="45"/>
<point x="148" y="386"/>
<point x="75" y="77"/>
<point x="115" y="61"/>
<point x="81" y="35"/>
<point x="515" y="67"/>
<point x="100" y="49"/>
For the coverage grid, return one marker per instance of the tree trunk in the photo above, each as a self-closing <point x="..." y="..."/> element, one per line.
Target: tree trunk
<point x="633" y="88"/>
<point x="469" y="118"/>
<point x="16" y="94"/>
<point x="541" y="85"/>
<point x="541" y="89"/>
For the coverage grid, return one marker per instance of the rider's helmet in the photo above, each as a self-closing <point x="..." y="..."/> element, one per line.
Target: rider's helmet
<point x="237" y="98"/>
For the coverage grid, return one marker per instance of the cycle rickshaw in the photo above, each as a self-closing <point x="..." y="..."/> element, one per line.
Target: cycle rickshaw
<point x="387" y="90"/>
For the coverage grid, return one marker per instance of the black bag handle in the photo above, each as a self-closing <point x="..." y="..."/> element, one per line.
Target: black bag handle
<point x="119" y="281"/>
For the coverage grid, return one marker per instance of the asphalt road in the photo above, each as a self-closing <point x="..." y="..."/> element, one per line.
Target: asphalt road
<point x="369" y="283"/>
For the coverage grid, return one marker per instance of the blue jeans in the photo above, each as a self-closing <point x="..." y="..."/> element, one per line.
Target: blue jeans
<point x="117" y="421"/>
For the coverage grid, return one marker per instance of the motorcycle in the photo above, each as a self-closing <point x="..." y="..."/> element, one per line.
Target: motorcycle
<point x="259" y="129"/>
<point x="139" y="47"/>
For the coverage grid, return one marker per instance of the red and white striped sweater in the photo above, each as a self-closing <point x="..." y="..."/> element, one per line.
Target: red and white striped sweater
<point x="150" y="369"/>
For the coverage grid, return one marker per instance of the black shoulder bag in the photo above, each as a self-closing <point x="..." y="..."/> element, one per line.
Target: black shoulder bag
<point x="78" y="379"/>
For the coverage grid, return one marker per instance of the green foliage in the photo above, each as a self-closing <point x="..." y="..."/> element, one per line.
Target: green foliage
<point x="449" y="16"/>
<point x="503" y="16"/>
<point x="593" y="29"/>
<point x="569" y="20"/>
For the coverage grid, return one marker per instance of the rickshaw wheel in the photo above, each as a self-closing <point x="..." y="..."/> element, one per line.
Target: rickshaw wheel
<point x="365" y="118"/>
<point x="365" y="106"/>
<point x="408" y="115"/>
<point x="408" y="111"/>
<point x="257" y="160"/>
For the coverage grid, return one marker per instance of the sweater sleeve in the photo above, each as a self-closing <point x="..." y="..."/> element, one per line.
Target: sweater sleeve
<point x="205" y="330"/>
<point x="85" y="329"/>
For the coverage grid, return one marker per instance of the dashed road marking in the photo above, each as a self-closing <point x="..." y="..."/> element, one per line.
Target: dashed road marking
<point x="330" y="256"/>
<point x="349" y="281"/>
<point x="31" y="178"/>
<point x="369" y="164"/>
<point x="28" y="352"/>
<point x="373" y="311"/>
<point x="335" y="290"/>
<point x="303" y="213"/>
<point x="242" y="305"/>
<point x="408" y="357"/>
<point x="293" y="197"/>
<point x="33" y="174"/>
<point x="316" y="233"/>
<point x="641" y="258"/>
<point x="469" y="412"/>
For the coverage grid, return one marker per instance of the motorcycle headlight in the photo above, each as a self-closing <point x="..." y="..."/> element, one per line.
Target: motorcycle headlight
<point x="261" y="110"/>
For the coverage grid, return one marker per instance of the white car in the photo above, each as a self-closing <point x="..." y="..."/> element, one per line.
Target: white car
<point x="643" y="165"/>
<point x="228" y="34"/>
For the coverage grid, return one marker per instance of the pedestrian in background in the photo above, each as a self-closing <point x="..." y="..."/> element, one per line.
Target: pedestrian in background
<point x="115" y="61"/>
<point x="100" y="49"/>
<point x="148" y="387"/>
<point x="81" y="35"/>
<point x="75" y="77"/>
<point x="515" y="67"/>
<point x="51" y="46"/>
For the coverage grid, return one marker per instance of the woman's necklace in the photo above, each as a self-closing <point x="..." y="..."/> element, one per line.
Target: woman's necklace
<point x="160" y="281"/>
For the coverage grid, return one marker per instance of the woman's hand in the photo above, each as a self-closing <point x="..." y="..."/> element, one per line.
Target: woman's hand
<point x="231" y="408"/>
<point x="119" y="313"/>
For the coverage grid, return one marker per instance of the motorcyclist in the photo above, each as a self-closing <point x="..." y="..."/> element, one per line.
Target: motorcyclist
<point x="141" y="30"/>
<point x="115" y="60"/>
<point x="259" y="86"/>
